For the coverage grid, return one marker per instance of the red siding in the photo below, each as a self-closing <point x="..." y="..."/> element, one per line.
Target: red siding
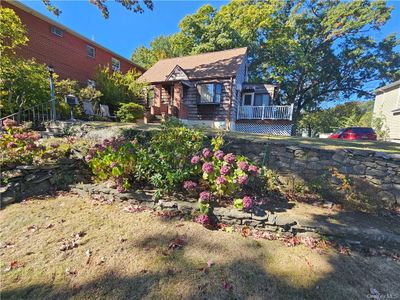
<point x="67" y="54"/>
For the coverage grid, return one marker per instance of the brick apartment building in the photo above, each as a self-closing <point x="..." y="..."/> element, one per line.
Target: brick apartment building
<point x="71" y="54"/>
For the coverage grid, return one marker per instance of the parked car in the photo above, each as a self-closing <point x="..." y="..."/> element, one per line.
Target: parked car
<point x="354" y="133"/>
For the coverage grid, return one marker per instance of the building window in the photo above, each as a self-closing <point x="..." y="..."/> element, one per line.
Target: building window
<point x="91" y="83"/>
<point x="57" y="31"/>
<point x="115" y="64"/>
<point x="247" y="99"/>
<point x="261" y="99"/>
<point x="210" y="93"/>
<point x="91" y="52"/>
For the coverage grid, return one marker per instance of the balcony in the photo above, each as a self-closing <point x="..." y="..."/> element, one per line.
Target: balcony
<point x="274" y="112"/>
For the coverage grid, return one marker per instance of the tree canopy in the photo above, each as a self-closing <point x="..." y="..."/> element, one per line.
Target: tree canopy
<point x="317" y="51"/>
<point x="349" y="114"/>
<point x="133" y="5"/>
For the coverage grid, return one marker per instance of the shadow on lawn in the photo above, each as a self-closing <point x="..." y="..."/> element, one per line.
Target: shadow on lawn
<point x="180" y="278"/>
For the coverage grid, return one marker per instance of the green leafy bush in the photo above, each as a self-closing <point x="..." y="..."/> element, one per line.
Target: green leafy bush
<point x="113" y="159"/>
<point x="130" y="112"/>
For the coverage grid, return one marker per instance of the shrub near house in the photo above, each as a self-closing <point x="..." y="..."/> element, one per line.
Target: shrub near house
<point x="173" y="160"/>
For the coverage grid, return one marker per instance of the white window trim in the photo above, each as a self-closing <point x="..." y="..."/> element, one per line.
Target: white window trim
<point x="119" y="64"/>
<point x="94" y="51"/>
<point x="252" y="99"/>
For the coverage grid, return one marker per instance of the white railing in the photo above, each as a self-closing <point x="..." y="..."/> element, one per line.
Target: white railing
<point x="274" y="112"/>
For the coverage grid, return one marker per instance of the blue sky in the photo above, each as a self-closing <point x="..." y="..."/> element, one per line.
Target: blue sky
<point x="125" y="30"/>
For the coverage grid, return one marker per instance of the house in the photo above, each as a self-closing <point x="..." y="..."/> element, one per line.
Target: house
<point x="71" y="54"/>
<point x="387" y="106"/>
<point x="211" y="90"/>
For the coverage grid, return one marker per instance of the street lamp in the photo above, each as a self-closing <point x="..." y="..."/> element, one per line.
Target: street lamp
<point x="50" y="68"/>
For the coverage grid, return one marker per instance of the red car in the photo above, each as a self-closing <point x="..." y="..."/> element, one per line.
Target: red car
<point x="354" y="133"/>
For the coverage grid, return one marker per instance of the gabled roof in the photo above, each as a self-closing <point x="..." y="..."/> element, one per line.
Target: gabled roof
<point x="387" y="87"/>
<point x="177" y="73"/>
<point x="201" y="66"/>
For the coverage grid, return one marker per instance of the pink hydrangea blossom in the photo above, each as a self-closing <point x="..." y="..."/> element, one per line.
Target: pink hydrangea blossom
<point x="120" y="189"/>
<point x="205" y="196"/>
<point x="219" y="154"/>
<point x="247" y="202"/>
<point x="88" y="157"/>
<point x="221" y="180"/>
<point x="244" y="166"/>
<point x="208" y="167"/>
<point x="113" y="164"/>
<point x="11" y="144"/>
<point x="253" y="169"/>
<point x="203" y="220"/>
<point x="243" y="179"/>
<point x="206" y="153"/>
<point x="225" y="170"/>
<point x="230" y="158"/>
<point x="8" y="123"/>
<point x="189" y="185"/>
<point x="30" y="146"/>
<point x="195" y="160"/>
<point x="134" y="142"/>
<point x="55" y="145"/>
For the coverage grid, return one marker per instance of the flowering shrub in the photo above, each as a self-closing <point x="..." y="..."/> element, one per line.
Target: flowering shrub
<point x="225" y="174"/>
<point x="160" y="160"/>
<point x="114" y="159"/>
<point x="19" y="146"/>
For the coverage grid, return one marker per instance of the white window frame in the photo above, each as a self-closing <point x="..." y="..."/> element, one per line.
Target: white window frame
<point x="57" y="31"/>
<point x="252" y="99"/>
<point x="87" y="51"/>
<point x="113" y="59"/>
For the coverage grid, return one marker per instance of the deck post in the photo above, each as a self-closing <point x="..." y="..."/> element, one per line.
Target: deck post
<point x="291" y="111"/>
<point x="263" y="109"/>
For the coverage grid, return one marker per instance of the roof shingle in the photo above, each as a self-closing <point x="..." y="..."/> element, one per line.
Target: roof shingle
<point x="201" y="66"/>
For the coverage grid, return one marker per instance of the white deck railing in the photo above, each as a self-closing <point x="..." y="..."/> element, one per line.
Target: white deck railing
<point x="274" y="112"/>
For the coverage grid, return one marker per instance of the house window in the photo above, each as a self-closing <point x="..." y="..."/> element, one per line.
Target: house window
<point x="91" y="83"/>
<point x="210" y="92"/>
<point x="91" y="52"/>
<point x="115" y="64"/>
<point x="57" y="31"/>
<point x="247" y="99"/>
<point x="261" y="100"/>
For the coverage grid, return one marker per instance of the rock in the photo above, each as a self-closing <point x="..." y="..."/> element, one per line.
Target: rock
<point x="387" y="197"/>
<point x="327" y="204"/>
<point x="27" y="167"/>
<point x="359" y="169"/>
<point x="284" y="221"/>
<point x="30" y="177"/>
<point x="43" y="178"/>
<point x="375" y="172"/>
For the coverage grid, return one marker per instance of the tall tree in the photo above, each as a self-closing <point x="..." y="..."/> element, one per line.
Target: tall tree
<point x="316" y="50"/>
<point x="133" y="5"/>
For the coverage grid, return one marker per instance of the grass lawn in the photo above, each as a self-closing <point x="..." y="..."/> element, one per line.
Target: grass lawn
<point x="122" y="255"/>
<point x="328" y="144"/>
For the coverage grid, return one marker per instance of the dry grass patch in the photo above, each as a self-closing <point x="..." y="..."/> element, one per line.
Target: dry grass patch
<point x="123" y="255"/>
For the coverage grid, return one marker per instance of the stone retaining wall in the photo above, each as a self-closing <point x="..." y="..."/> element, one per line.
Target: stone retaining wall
<point x="28" y="180"/>
<point x="261" y="219"/>
<point x="374" y="176"/>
